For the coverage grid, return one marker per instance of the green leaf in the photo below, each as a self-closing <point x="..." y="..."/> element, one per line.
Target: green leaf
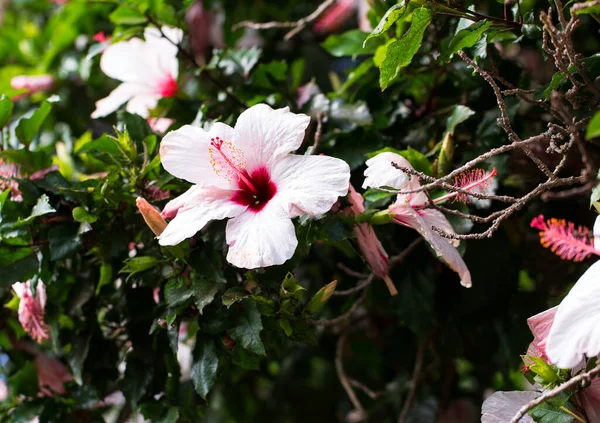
<point x="543" y="369"/>
<point x="546" y="413"/>
<point x="17" y="264"/>
<point x="318" y="301"/>
<point x="286" y="326"/>
<point x="465" y="38"/>
<point x="394" y="14"/>
<point x="126" y="15"/>
<point x="593" y="128"/>
<point x="290" y="287"/>
<point x="77" y="356"/>
<point x="233" y="295"/>
<point x="205" y="291"/>
<point x="349" y="43"/>
<point x="80" y="214"/>
<point x="64" y="240"/>
<point x="589" y="10"/>
<point x="105" y="277"/>
<point x="6" y="108"/>
<point x="138" y="264"/>
<point x="458" y="116"/>
<point x="204" y="365"/>
<point x="400" y="53"/>
<point x="137" y="378"/>
<point x="29" y="127"/>
<point x="247" y="329"/>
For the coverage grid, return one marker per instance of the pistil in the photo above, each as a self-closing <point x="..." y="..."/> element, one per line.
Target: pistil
<point x="217" y="143"/>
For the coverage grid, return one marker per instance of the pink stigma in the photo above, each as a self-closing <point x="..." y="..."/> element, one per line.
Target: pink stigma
<point x="167" y="87"/>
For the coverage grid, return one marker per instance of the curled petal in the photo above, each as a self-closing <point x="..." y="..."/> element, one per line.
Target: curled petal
<point x="31" y="310"/>
<point x="540" y="325"/>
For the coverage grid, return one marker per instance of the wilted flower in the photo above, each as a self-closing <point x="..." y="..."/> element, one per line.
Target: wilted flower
<point x="247" y="174"/>
<point x="408" y="210"/>
<point x="368" y="243"/>
<point x="32" y="83"/>
<point x="148" y="69"/>
<point x="52" y="374"/>
<point x="31" y="310"/>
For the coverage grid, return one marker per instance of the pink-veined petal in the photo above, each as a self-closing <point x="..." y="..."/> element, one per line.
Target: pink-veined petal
<point x="185" y="154"/>
<point x="118" y="96"/>
<point x="265" y="134"/>
<point x="576" y="332"/>
<point x="439" y="220"/>
<point x="201" y="206"/>
<point x="262" y="239"/>
<point x="310" y="184"/>
<point x="381" y="173"/>
<point x="406" y="215"/>
<point x="501" y="407"/>
<point x="540" y="325"/>
<point x="141" y="104"/>
<point x="590" y="399"/>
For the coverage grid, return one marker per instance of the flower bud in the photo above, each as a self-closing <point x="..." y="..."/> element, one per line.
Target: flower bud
<point x="151" y="216"/>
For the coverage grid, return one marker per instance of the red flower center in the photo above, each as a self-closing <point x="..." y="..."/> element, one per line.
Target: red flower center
<point x="167" y="87"/>
<point x="255" y="189"/>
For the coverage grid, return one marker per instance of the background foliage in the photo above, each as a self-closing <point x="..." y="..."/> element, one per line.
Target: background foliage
<point x="258" y="354"/>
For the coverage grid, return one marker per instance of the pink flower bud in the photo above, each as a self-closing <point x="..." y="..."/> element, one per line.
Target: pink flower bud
<point x="31" y="83"/>
<point x="31" y="310"/>
<point x="151" y="216"/>
<point x="368" y="243"/>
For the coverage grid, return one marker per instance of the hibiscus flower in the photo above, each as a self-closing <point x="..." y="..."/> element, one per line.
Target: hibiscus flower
<point x="148" y="69"/>
<point x="409" y="209"/>
<point x="31" y="310"/>
<point x="248" y="174"/>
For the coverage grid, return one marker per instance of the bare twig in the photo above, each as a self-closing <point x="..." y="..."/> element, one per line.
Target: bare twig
<point x="297" y="26"/>
<point x="318" y="132"/>
<point x="414" y="381"/>
<point x="368" y="391"/>
<point x="339" y="366"/>
<point x="344" y="317"/>
<point x="583" y="377"/>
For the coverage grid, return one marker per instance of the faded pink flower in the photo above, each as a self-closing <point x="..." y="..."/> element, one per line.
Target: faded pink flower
<point x="409" y="209"/>
<point x="160" y="124"/>
<point x="247" y="174"/>
<point x="31" y="83"/>
<point x="52" y="374"/>
<point x="31" y="310"/>
<point x="148" y="69"/>
<point x="8" y="173"/>
<point x="368" y="243"/>
<point x="205" y="29"/>
<point x="540" y="325"/>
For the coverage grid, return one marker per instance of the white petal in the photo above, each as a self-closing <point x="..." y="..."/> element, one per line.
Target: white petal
<point x="310" y="184"/>
<point x="118" y="96"/>
<point x="597" y="233"/>
<point x="140" y="104"/>
<point x="185" y="153"/>
<point x="381" y="173"/>
<point x="131" y="61"/>
<point x="438" y="219"/>
<point x="40" y="294"/>
<point x="262" y="239"/>
<point x="501" y="407"/>
<point x="164" y="51"/>
<point x="173" y="206"/>
<point x="265" y="134"/>
<point x="576" y="332"/>
<point x="19" y="288"/>
<point x="206" y="204"/>
<point x="406" y="215"/>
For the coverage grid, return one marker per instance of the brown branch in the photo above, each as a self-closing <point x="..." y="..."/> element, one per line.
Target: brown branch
<point x="414" y="382"/>
<point x="318" y="132"/>
<point x="344" y="317"/>
<point x="297" y="26"/>
<point x="583" y="377"/>
<point x="339" y="367"/>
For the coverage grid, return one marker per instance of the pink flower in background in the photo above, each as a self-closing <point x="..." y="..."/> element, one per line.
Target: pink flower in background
<point x="101" y="37"/>
<point x="32" y="83"/>
<point x="31" y="310"/>
<point x="52" y="375"/>
<point x="337" y="15"/>
<point x="540" y="325"/>
<point x="368" y="243"/>
<point x="8" y="173"/>
<point x="408" y="210"/>
<point x="148" y="69"/>
<point x="160" y="125"/>
<point x="247" y="174"/>
<point x="205" y="29"/>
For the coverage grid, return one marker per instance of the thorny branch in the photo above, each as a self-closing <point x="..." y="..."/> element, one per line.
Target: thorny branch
<point x="583" y="377"/>
<point x="296" y="27"/>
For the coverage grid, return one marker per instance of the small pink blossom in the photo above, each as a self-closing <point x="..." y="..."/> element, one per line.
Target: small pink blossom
<point x="160" y="124"/>
<point x="31" y="83"/>
<point x="31" y="310"/>
<point x="101" y="37"/>
<point x="368" y="243"/>
<point x="247" y="174"/>
<point x="409" y="209"/>
<point x="148" y="70"/>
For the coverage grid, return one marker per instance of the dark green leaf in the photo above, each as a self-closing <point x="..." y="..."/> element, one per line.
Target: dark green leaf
<point x="400" y="53"/>
<point x="546" y="413"/>
<point x="205" y="364"/>
<point x="459" y="115"/>
<point x="233" y="295"/>
<point x="137" y="378"/>
<point x="138" y="264"/>
<point x="6" y="107"/>
<point x="248" y="327"/>
<point x="64" y="240"/>
<point x="394" y="14"/>
<point x="77" y="356"/>
<point x="29" y="127"/>
<point x="465" y="38"/>
<point x="41" y="208"/>
<point x="349" y="43"/>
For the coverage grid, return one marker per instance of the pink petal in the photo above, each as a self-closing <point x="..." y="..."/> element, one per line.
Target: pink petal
<point x="540" y="325"/>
